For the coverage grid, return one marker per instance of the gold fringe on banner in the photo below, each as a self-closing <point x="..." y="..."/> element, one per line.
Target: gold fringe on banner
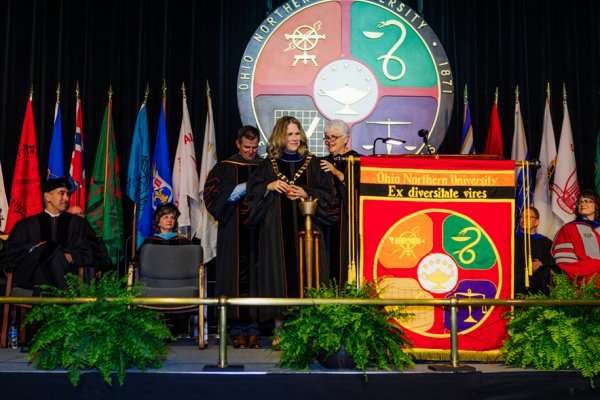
<point x="463" y="355"/>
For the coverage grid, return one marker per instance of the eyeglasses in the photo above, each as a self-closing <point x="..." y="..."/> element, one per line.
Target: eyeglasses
<point x="585" y="202"/>
<point x="331" y="138"/>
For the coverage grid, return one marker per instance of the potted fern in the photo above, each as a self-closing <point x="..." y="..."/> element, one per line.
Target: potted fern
<point x="107" y="335"/>
<point x="551" y="338"/>
<point x="366" y="333"/>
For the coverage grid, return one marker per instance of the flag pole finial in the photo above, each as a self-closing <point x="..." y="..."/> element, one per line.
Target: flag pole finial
<point x="207" y="89"/>
<point x="110" y="92"/>
<point x="31" y="92"/>
<point x="183" y="89"/>
<point x="564" y="92"/>
<point x="164" y="89"/>
<point x="496" y="96"/>
<point x="548" y="92"/>
<point x="146" y="92"/>
<point x="466" y="94"/>
<point x="58" y="93"/>
<point x="77" y="90"/>
<point x="517" y="93"/>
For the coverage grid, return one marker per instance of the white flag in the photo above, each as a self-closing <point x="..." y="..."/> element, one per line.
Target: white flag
<point x="542" y="198"/>
<point x="185" y="173"/>
<point x="566" y="187"/>
<point x="519" y="152"/>
<point x="3" y="203"/>
<point x="207" y="229"/>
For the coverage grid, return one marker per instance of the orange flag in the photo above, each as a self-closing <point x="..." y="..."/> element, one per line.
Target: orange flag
<point x="25" y="194"/>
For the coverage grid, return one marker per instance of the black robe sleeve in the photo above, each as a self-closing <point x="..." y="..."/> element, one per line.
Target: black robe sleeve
<point x="219" y="185"/>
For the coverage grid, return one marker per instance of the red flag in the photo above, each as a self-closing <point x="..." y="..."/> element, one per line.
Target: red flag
<point x="25" y="194"/>
<point x="493" y="142"/>
<point x="77" y="168"/>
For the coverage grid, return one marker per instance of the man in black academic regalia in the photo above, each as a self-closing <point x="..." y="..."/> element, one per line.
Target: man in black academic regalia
<point x="44" y="247"/>
<point x="224" y="195"/>
<point x="542" y="263"/>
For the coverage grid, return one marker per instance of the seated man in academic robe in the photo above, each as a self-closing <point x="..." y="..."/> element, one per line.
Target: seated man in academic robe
<point x="44" y="247"/>
<point x="542" y="263"/>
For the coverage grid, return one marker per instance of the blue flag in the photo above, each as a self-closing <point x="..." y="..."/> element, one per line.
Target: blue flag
<point x="162" y="186"/>
<point x="467" y="144"/>
<point x="139" y="177"/>
<point x="56" y="161"/>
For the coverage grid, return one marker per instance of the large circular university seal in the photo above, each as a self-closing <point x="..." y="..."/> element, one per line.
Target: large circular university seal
<point x="375" y="64"/>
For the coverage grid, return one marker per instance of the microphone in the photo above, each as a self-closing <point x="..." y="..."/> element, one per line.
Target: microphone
<point x="423" y="134"/>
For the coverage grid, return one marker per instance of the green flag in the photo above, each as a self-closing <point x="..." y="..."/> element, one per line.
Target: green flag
<point x="105" y="211"/>
<point x="597" y="164"/>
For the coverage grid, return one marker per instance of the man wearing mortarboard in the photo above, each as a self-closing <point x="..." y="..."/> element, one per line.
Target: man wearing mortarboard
<point x="44" y="247"/>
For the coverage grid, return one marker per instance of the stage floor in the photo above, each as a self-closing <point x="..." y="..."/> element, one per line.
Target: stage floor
<point x="184" y="374"/>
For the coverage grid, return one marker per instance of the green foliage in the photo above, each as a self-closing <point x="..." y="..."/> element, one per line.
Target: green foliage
<point x="553" y="338"/>
<point x="370" y="336"/>
<point x="108" y="335"/>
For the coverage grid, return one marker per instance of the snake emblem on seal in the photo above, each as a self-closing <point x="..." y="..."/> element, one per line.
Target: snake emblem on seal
<point x="468" y="249"/>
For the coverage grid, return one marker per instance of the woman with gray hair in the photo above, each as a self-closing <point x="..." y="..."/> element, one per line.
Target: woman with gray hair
<point x="337" y="138"/>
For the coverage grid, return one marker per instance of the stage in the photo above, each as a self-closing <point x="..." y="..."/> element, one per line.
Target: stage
<point x="184" y="376"/>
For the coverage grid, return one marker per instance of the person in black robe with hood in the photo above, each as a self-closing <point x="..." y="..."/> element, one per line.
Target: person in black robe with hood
<point x="44" y="247"/>
<point x="543" y="265"/>
<point x="224" y="196"/>
<point x="336" y="138"/>
<point x="289" y="173"/>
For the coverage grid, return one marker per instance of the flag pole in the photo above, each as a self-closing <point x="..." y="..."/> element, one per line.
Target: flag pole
<point x="108" y="127"/>
<point x="164" y="98"/>
<point x="187" y="198"/>
<point x="77" y="186"/>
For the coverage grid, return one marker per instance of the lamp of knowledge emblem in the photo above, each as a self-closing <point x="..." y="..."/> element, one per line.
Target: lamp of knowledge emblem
<point x="379" y="67"/>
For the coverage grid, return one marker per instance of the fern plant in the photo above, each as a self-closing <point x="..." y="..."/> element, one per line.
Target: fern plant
<point x="107" y="335"/>
<point x="369" y="335"/>
<point x="551" y="338"/>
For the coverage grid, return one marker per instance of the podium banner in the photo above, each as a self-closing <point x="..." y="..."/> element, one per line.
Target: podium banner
<point x="437" y="228"/>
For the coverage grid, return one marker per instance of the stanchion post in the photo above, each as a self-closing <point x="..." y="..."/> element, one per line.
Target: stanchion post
<point x="454" y="365"/>
<point x="222" y="363"/>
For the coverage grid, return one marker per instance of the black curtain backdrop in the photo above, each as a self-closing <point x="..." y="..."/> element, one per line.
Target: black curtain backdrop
<point x="128" y="44"/>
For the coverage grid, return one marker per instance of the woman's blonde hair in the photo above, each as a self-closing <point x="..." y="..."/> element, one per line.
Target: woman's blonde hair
<point x="278" y="138"/>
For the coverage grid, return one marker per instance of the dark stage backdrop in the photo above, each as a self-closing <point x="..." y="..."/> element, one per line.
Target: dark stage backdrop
<point x="127" y="44"/>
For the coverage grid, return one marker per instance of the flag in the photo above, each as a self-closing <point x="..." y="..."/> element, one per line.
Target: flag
<point x="77" y="166"/>
<point x="565" y="189"/>
<point x="25" y="193"/>
<point x="207" y="226"/>
<point x="162" y="188"/>
<point x="493" y="141"/>
<point x="3" y="202"/>
<point x="542" y="197"/>
<point x="524" y="187"/>
<point x="139" y="177"/>
<point x="56" y="160"/>
<point x="185" y="173"/>
<point x="105" y="211"/>
<point x="466" y="139"/>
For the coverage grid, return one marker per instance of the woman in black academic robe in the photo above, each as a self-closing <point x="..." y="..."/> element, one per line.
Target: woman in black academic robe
<point x="337" y="136"/>
<point x="165" y="227"/>
<point x="289" y="173"/>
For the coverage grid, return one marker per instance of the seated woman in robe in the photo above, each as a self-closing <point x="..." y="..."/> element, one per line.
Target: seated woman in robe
<point x="576" y="247"/>
<point x="165" y="226"/>
<point x="290" y="173"/>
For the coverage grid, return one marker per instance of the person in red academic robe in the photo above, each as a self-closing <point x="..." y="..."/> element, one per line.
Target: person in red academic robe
<point x="576" y="247"/>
